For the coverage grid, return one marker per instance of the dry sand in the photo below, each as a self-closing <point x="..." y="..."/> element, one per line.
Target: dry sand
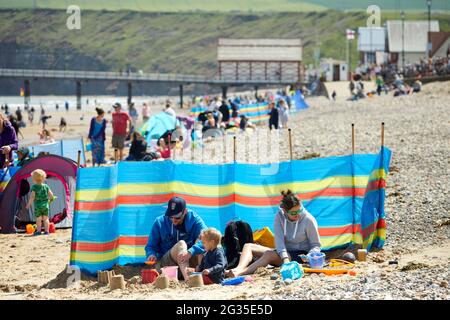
<point x="417" y="210"/>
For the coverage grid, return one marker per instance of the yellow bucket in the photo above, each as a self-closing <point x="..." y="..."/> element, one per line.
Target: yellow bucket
<point x="264" y="237"/>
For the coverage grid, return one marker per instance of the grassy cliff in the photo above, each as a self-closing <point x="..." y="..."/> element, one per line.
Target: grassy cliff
<point x="174" y="42"/>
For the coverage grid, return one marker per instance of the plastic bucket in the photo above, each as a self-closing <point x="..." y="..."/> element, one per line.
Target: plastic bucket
<point x="149" y="275"/>
<point x="264" y="237"/>
<point x="51" y="227"/>
<point x="170" y="272"/>
<point x="316" y="260"/>
<point x="30" y="229"/>
<point x="291" y="270"/>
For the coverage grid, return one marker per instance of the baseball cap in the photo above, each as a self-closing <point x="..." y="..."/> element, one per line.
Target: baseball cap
<point x="176" y="205"/>
<point x="117" y="105"/>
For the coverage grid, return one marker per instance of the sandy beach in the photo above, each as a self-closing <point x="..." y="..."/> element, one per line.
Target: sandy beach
<point x="417" y="130"/>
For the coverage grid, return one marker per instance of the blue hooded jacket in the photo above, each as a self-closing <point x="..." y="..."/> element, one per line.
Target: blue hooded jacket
<point x="164" y="235"/>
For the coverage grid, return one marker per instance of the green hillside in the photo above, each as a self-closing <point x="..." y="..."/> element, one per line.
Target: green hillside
<point x="225" y="5"/>
<point x="175" y="42"/>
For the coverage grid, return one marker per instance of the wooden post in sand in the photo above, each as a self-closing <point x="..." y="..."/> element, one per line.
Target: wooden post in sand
<point x="353" y="138"/>
<point x="234" y="148"/>
<point x="115" y="155"/>
<point x="382" y="134"/>
<point x="78" y="159"/>
<point x="224" y="148"/>
<point x="290" y="143"/>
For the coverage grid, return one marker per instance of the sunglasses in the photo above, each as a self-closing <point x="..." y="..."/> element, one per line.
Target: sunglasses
<point x="295" y="213"/>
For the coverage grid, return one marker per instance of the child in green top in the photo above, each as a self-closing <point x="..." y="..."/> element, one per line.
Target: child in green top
<point x="41" y="195"/>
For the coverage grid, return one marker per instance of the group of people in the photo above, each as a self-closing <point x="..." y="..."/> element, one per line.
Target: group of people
<point x="124" y="127"/>
<point x="181" y="238"/>
<point x="221" y="115"/>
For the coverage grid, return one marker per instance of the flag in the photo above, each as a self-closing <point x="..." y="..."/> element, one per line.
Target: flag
<point x="350" y="34"/>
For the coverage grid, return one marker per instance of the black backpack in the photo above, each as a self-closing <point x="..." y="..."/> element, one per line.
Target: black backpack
<point x="237" y="233"/>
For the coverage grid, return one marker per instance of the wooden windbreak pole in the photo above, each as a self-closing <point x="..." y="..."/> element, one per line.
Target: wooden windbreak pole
<point x="225" y="148"/>
<point x="79" y="158"/>
<point x="290" y="143"/>
<point x="115" y="155"/>
<point x="382" y="134"/>
<point x="353" y="138"/>
<point x="234" y="148"/>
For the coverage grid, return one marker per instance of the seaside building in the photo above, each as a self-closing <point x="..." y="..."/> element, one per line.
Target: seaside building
<point x="260" y="59"/>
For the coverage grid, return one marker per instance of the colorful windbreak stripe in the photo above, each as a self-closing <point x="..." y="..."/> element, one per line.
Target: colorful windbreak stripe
<point x="116" y="206"/>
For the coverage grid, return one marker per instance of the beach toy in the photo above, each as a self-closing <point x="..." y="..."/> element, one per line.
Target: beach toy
<point x="53" y="199"/>
<point x="362" y="254"/>
<point x="150" y="263"/>
<point x="330" y="272"/>
<point x="339" y="263"/>
<point x="51" y="227"/>
<point x="291" y="270"/>
<point x="233" y="281"/>
<point x="171" y="272"/>
<point x="316" y="260"/>
<point x="30" y="229"/>
<point x="149" y="275"/>
<point x="348" y="256"/>
<point x="264" y="237"/>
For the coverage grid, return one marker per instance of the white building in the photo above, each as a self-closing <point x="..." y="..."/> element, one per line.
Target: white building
<point x="334" y="70"/>
<point x="410" y="37"/>
<point x="372" y="45"/>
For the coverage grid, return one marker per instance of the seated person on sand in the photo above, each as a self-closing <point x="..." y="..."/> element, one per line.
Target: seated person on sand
<point x="296" y="232"/>
<point x="245" y="123"/>
<point x="173" y="236"/>
<point x="45" y="137"/>
<point x="138" y="149"/>
<point x="214" y="261"/>
<point x="23" y="156"/>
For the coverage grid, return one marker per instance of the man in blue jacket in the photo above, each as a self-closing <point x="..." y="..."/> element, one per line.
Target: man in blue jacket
<point x="172" y="240"/>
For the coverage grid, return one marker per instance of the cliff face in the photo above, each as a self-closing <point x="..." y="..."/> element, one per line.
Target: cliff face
<point x="160" y="42"/>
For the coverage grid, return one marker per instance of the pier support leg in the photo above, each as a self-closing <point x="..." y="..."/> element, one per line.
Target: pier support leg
<point x="181" y="96"/>
<point x="130" y="93"/>
<point x="78" y="95"/>
<point x="256" y="92"/>
<point x="224" y="92"/>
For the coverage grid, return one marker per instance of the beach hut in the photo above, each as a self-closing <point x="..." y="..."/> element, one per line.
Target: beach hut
<point x="61" y="178"/>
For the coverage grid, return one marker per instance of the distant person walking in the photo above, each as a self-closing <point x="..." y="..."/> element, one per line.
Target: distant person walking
<point x="97" y="137"/>
<point x="273" y="116"/>
<point x="31" y="115"/>
<point x="62" y="125"/>
<point x="121" y="123"/>
<point x="145" y="112"/>
<point x="132" y="111"/>
<point x="66" y="105"/>
<point x="284" y="113"/>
